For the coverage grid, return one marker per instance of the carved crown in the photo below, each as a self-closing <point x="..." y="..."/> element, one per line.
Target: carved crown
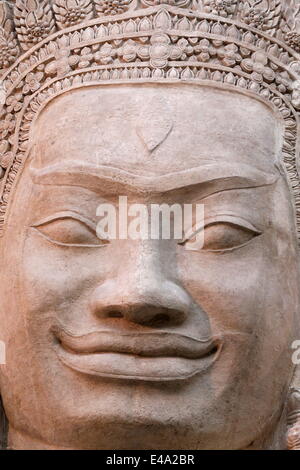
<point x="24" y="23"/>
<point x="49" y="46"/>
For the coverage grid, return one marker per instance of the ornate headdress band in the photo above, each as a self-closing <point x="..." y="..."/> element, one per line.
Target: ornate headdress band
<point x="48" y="47"/>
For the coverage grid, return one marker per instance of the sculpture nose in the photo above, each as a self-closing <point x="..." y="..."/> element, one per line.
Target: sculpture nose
<point x="142" y="294"/>
<point x="153" y="305"/>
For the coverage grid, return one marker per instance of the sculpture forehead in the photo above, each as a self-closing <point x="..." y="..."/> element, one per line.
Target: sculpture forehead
<point x="157" y="129"/>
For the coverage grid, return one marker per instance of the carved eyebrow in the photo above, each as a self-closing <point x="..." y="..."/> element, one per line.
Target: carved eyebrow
<point x="213" y="178"/>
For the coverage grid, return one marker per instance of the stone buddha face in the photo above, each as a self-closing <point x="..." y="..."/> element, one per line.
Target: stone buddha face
<point x="145" y="344"/>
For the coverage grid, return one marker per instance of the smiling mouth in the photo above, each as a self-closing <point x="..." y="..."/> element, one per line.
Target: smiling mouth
<point x="152" y="356"/>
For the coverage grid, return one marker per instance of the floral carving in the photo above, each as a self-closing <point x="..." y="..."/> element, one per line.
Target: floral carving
<point x="111" y="7"/>
<point x="228" y="55"/>
<point x="71" y="12"/>
<point x="258" y="66"/>
<point x="160" y="50"/>
<point x="62" y="64"/>
<point x="7" y="125"/>
<point x="14" y="103"/>
<point x="262" y="14"/>
<point x="177" y="3"/>
<point x="32" y="82"/>
<point x="220" y="7"/>
<point x="6" y="156"/>
<point x="296" y="95"/>
<point x="84" y="59"/>
<point x="33" y="20"/>
<point x="292" y="39"/>
<point x="256" y="18"/>
<point x="9" y="49"/>
<point x="106" y="53"/>
<point x="130" y="50"/>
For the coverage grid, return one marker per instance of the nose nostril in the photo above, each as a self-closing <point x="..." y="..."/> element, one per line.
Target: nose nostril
<point x="141" y="313"/>
<point x="160" y="319"/>
<point x="213" y="351"/>
<point x="114" y="314"/>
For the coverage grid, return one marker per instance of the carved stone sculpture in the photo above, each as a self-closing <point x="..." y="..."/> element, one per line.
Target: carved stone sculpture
<point x="145" y="344"/>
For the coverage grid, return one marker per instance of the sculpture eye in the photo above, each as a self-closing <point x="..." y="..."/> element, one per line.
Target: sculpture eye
<point x="69" y="231"/>
<point x="221" y="236"/>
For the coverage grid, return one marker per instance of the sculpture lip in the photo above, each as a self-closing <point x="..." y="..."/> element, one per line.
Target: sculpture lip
<point x="153" y="356"/>
<point x="144" y="344"/>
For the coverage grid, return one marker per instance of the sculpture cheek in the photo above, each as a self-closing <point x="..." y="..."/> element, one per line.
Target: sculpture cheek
<point x="63" y="276"/>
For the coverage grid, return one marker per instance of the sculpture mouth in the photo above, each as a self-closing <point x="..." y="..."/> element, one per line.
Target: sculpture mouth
<point x="151" y="356"/>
